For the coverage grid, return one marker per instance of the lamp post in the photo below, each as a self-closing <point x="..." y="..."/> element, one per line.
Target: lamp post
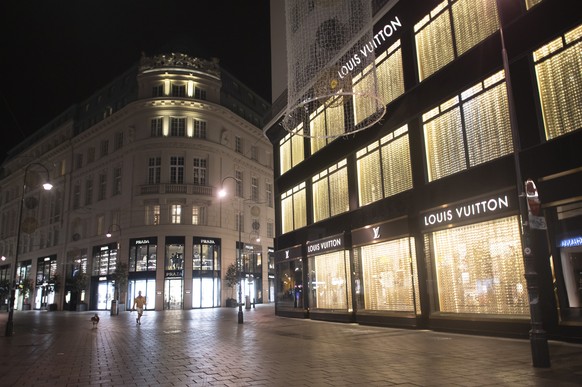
<point x="222" y="193"/>
<point x="117" y="276"/>
<point x="47" y="186"/>
<point x="538" y="339"/>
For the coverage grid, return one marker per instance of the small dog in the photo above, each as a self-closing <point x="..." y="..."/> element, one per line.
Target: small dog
<point x="95" y="320"/>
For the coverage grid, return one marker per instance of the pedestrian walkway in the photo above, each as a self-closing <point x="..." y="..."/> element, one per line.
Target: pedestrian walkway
<point x="209" y="348"/>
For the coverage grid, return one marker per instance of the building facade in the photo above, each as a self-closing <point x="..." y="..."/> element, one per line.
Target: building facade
<point x="137" y="169"/>
<point x="416" y="221"/>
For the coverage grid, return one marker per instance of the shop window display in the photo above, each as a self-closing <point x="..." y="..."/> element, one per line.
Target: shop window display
<point x="479" y="269"/>
<point x="330" y="281"/>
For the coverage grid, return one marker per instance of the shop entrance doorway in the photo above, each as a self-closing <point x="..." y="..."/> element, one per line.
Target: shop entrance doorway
<point x="173" y="294"/>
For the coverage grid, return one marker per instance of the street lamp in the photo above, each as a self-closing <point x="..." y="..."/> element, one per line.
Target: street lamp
<point x="114" y="309"/>
<point x="47" y="187"/>
<point x="222" y="193"/>
<point x="537" y="335"/>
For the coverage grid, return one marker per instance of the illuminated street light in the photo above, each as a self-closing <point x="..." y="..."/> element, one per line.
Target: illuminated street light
<point x="222" y="193"/>
<point x="47" y="186"/>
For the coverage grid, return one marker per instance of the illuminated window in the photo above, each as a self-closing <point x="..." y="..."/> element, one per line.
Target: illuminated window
<point x="291" y="149"/>
<point x="330" y="191"/>
<point x="480" y="115"/>
<point x="384" y="167"/>
<point x="389" y="275"/>
<point x="331" y="281"/>
<point x="176" y="213"/>
<point x="293" y="209"/>
<point x="326" y="124"/>
<point x="152" y="214"/>
<point x="198" y="215"/>
<point x="473" y="21"/>
<point x="558" y="67"/>
<point x="389" y="78"/>
<point x="479" y="268"/>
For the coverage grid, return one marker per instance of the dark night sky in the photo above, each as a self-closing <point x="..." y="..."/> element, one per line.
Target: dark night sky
<point x="57" y="53"/>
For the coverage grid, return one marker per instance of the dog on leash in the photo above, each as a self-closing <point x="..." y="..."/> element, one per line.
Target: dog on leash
<point x="95" y="320"/>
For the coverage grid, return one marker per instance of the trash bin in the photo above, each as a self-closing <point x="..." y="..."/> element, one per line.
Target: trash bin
<point x="247" y="302"/>
<point x="113" y="307"/>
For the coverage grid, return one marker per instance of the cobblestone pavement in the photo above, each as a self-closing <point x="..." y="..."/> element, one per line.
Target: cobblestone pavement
<point x="209" y="348"/>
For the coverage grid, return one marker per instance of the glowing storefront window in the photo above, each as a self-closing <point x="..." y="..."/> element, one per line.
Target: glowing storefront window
<point x="384" y="167"/>
<point x="327" y="120"/>
<point x="331" y="281"/>
<point x="472" y="127"/>
<point x="479" y="268"/>
<point x="389" y="77"/>
<point x="558" y="67"/>
<point x="291" y="150"/>
<point x="473" y="21"/>
<point x="293" y="208"/>
<point x="389" y="276"/>
<point x="330" y="191"/>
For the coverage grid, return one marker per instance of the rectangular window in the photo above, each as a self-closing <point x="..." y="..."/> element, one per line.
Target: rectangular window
<point x="118" y="141"/>
<point x="154" y="170"/>
<point x="293" y="208"/>
<point x="158" y="91"/>
<point x="468" y="129"/>
<point x="254" y="153"/>
<point x="238" y="145"/>
<point x="269" y="194"/>
<point x="239" y="183"/>
<point x="78" y="160"/>
<point x="326" y="121"/>
<point x="199" y="93"/>
<point x="199" y="171"/>
<point x="177" y="126"/>
<point x="102" y="186"/>
<point x="176" y="213"/>
<point x="291" y="149"/>
<point x="90" y="155"/>
<point x="198" y="215"/>
<point x="152" y="214"/>
<point x="255" y="189"/>
<point x="104" y="150"/>
<point x="389" y="276"/>
<point x="331" y="270"/>
<point x="156" y="125"/>
<point x="270" y="230"/>
<point x="436" y="45"/>
<point x="558" y="67"/>
<point x="178" y="90"/>
<point x="77" y="195"/>
<point x="383" y="167"/>
<point x="483" y="262"/>
<point x="116" y="181"/>
<point x="199" y="129"/>
<point x="330" y="191"/>
<point x="389" y="78"/>
<point x="89" y="191"/>
<point x="176" y="170"/>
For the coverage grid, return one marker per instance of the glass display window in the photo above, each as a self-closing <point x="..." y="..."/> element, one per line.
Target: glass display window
<point x="174" y="256"/>
<point x="104" y="259"/>
<point x="389" y="276"/>
<point x="290" y="284"/>
<point x="330" y="281"/>
<point x="479" y="269"/>
<point x="143" y="255"/>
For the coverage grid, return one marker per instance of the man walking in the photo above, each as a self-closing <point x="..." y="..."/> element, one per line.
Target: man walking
<point x="138" y="304"/>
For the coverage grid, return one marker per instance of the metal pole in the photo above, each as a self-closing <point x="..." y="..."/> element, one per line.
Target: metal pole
<point x="240" y="311"/>
<point x="10" y="322"/>
<point x="537" y="335"/>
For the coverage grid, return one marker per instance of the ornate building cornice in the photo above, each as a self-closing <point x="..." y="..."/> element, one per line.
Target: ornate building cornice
<point x="178" y="60"/>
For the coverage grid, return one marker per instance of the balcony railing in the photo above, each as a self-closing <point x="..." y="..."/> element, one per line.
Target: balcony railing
<point x="189" y="189"/>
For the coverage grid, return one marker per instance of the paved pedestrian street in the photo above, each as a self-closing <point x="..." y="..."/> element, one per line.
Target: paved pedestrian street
<point x="209" y="348"/>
